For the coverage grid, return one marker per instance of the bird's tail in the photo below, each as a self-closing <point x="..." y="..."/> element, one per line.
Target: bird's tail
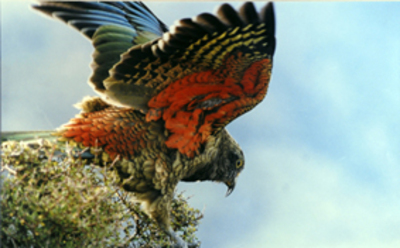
<point x="27" y="135"/>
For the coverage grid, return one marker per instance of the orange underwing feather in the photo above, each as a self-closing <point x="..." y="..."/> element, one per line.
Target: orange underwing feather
<point x="201" y="103"/>
<point x="119" y="131"/>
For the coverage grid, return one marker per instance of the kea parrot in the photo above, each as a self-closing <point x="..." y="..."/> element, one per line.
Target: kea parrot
<point x="166" y="95"/>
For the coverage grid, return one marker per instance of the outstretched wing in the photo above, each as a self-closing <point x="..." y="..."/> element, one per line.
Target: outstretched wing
<point x="113" y="28"/>
<point x="195" y="79"/>
<point x="118" y="131"/>
<point x="202" y="74"/>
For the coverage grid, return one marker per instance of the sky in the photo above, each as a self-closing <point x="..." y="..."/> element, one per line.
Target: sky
<point x="322" y="150"/>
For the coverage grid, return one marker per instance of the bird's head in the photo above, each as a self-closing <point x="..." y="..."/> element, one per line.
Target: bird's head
<point x="222" y="161"/>
<point x="230" y="161"/>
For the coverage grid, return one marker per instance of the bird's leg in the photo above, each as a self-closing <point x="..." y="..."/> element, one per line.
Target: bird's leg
<point x="164" y="224"/>
<point x="179" y="242"/>
<point x="159" y="209"/>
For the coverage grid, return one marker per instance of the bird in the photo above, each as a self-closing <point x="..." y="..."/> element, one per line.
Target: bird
<point x="166" y="95"/>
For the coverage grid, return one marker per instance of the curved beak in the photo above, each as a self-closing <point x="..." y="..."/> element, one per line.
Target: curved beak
<point x="231" y="187"/>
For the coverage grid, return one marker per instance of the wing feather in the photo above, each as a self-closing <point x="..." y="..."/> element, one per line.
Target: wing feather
<point x="194" y="79"/>
<point x="118" y="131"/>
<point x="113" y="28"/>
<point x="201" y="75"/>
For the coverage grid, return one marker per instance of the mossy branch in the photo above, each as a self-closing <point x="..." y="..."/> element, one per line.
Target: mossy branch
<point x="52" y="197"/>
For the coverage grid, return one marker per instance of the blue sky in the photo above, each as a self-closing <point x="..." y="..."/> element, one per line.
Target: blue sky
<point x="322" y="150"/>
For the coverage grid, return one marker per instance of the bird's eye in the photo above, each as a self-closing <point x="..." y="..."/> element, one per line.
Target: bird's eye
<point x="239" y="163"/>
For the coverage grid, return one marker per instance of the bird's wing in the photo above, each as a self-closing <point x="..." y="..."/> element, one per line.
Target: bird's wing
<point x="196" y="78"/>
<point x="118" y="131"/>
<point x="202" y="74"/>
<point x="113" y="28"/>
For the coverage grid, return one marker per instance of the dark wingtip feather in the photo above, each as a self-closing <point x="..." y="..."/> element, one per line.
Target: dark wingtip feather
<point x="210" y="22"/>
<point x="268" y="17"/>
<point x="229" y="16"/>
<point x="249" y="14"/>
<point x="44" y="9"/>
